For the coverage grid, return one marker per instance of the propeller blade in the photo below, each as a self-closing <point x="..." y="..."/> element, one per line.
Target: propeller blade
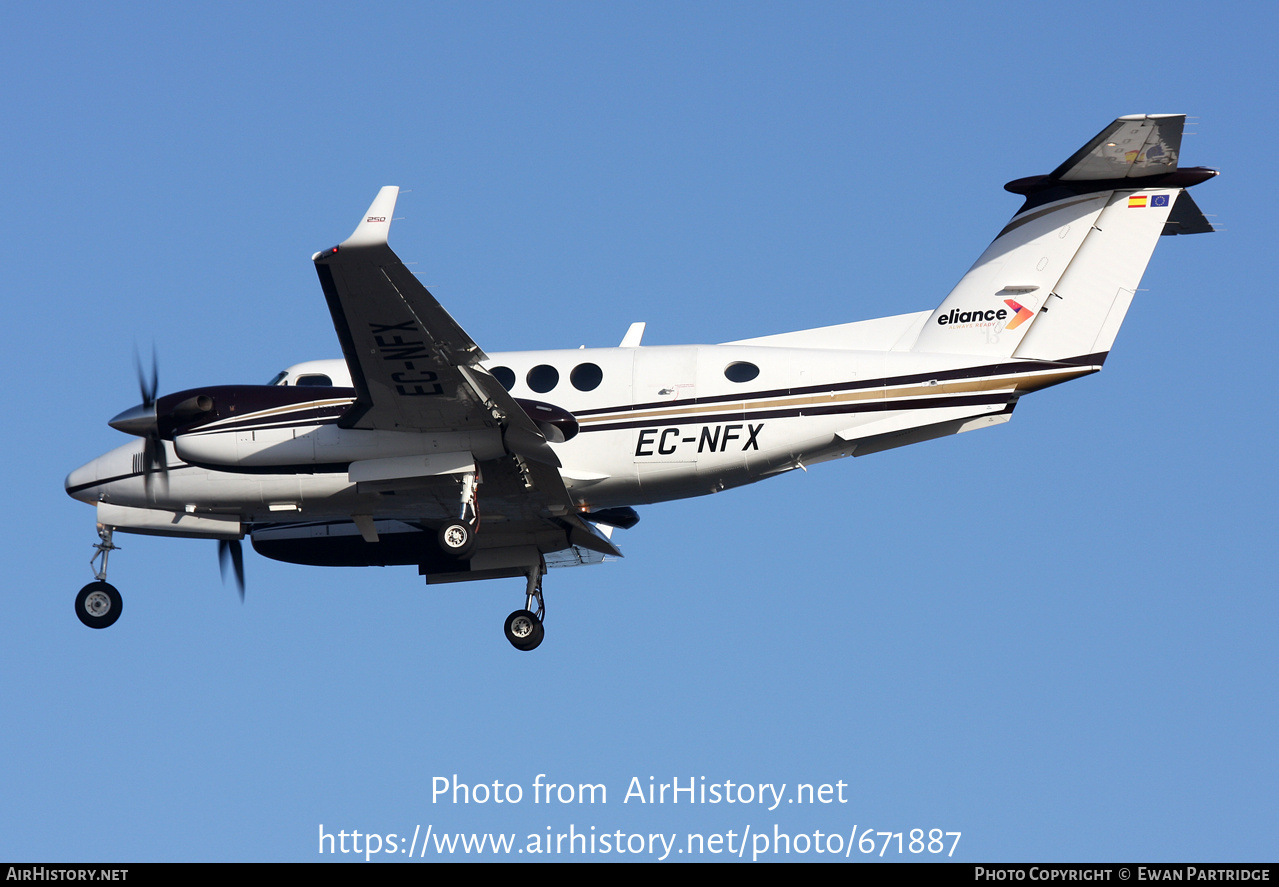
<point x="148" y="388"/>
<point x="230" y="550"/>
<point x="154" y="461"/>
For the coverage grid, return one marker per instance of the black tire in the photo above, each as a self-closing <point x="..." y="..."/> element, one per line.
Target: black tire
<point x="524" y="630"/>
<point x="536" y="640"/>
<point x="98" y="605"/>
<point x="456" y="538"/>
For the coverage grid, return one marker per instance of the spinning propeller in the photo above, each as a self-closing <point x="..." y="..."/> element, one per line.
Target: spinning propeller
<point x="143" y="421"/>
<point x="230" y="550"/>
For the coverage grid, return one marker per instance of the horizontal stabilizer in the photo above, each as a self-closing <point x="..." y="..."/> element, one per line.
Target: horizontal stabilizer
<point x="892" y="440"/>
<point x="908" y="422"/>
<point x="1132" y="147"/>
<point x="1187" y="218"/>
<point x="1137" y="151"/>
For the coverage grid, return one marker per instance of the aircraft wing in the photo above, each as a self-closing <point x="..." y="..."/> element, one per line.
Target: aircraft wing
<point x="415" y="369"/>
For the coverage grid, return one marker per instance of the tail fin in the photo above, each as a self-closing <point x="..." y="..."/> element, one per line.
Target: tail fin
<point x="1056" y="282"/>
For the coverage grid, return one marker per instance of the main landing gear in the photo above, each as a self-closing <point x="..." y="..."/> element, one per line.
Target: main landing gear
<point x="457" y="537"/>
<point x="98" y="605"/>
<point x="524" y="627"/>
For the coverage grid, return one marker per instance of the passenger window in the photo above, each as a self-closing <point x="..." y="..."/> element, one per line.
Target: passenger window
<point x="542" y="378"/>
<point x="586" y="377"/>
<point x="505" y="375"/>
<point x="741" y="371"/>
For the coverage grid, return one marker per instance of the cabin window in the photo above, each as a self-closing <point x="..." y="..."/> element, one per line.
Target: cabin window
<point x="314" y="380"/>
<point x="505" y="375"/>
<point x="741" y="371"/>
<point x="542" y="378"/>
<point x="586" y="377"/>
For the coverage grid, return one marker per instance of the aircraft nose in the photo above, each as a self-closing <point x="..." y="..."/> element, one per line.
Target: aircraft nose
<point x="79" y="483"/>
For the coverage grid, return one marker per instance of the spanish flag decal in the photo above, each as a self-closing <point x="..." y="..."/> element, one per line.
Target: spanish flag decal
<point x="1138" y="201"/>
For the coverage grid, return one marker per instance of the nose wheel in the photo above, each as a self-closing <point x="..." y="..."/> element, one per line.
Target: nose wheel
<point x="523" y="628"/>
<point x="98" y="605"/>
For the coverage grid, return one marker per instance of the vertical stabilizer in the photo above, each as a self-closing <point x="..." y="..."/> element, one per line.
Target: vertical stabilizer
<point x="1082" y="315"/>
<point x="993" y="306"/>
<point x="1057" y="280"/>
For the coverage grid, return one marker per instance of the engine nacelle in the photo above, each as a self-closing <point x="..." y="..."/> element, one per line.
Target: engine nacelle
<point x="556" y="423"/>
<point x="308" y="447"/>
<point x="295" y="428"/>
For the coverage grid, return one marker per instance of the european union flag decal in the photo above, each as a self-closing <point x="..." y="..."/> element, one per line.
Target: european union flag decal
<point x="1159" y="200"/>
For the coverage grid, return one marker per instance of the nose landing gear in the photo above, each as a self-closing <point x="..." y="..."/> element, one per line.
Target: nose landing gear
<point x="98" y="605"/>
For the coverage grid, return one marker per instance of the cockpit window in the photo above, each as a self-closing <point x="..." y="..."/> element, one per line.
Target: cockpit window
<point x="315" y="380"/>
<point x="279" y="378"/>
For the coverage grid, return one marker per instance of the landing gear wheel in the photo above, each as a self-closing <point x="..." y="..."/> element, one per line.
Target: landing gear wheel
<point x="457" y="538"/>
<point x="98" y="605"/>
<point x="524" y="630"/>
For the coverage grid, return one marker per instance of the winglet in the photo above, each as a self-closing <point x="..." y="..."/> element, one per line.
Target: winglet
<point x="376" y="224"/>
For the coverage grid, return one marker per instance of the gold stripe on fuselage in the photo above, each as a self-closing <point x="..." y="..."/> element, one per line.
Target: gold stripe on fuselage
<point x="1022" y="384"/>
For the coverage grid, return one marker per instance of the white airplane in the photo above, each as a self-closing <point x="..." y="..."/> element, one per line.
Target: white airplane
<point x="420" y="449"/>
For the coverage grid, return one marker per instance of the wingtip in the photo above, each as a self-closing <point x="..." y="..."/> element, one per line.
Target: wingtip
<point x="375" y="227"/>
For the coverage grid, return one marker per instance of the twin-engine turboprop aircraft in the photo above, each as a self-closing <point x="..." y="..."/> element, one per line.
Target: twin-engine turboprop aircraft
<point x="421" y="449"/>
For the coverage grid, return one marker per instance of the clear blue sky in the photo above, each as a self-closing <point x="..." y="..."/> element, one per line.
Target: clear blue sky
<point x="1056" y="636"/>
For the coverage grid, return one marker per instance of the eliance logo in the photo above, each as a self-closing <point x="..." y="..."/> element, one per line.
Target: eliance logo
<point x="1020" y="315"/>
<point x="1023" y="314"/>
<point x="956" y="316"/>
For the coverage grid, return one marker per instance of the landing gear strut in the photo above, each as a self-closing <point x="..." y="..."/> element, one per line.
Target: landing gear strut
<point x="524" y="627"/>
<point x="98" y="604"/>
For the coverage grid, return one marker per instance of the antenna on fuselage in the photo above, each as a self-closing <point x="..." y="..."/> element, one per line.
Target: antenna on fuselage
<point x="633" y="335"/>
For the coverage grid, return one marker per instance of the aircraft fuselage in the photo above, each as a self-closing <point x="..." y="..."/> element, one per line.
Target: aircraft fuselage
<point x="660" y="423"/>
